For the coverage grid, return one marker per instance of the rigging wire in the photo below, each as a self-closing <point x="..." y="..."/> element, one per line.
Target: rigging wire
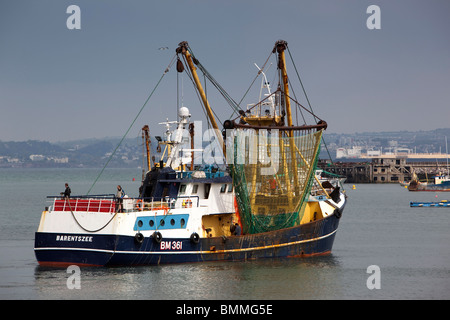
<point x="178" y="94"/>
<point x="233" y="104"/>
<point x="132" y="123"/>
<point x="189" y="75"/>
<point x="297" y="106"/>
<point x="307" y="99"/>
<point x="301" y="83"/>
<point x="196" y="91"/>
<point x="208" y="121"/>
<point x="251" y="85"/>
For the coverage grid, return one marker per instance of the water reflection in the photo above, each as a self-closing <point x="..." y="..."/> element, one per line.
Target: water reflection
<point x="295" y="278"/>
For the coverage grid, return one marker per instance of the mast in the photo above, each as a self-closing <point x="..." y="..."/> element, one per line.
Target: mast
<point x="183" y="48"/>
<point x="446" y="151"/>
<point x="192" y="132"/>
<point x="146" y="138"/>
<point x="280" y="46"/>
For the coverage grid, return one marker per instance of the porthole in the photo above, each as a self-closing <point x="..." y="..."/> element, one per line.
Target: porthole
<point x="140" y="223"/>
<point x="182" y="223"/>
<point x="162" y="223"/>
<point x="172" y="222"/>
<point x="151" y="223"/>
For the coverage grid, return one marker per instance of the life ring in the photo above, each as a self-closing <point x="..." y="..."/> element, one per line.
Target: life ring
<point x="139" y="238"/>
<point x="139" y="204"/>
<point x="195" y="238"/>
<point x="157" y="236"/>
<point x="338" y="213"/>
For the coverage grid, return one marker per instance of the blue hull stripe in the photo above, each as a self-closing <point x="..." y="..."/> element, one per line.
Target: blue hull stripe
<point x="310" y="239"/>
<point x="188" y="252"/>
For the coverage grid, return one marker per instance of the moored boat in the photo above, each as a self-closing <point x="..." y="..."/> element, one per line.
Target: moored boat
<point x="434" y="204"/>
<point x="440" y="183"/>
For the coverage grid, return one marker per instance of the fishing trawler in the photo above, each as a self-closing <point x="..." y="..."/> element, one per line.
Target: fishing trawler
<point x="265" y="202"/>
<point x="440" y="182"/>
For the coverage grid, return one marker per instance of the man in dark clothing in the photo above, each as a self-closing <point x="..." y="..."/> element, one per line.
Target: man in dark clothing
<point x="66" y="193"/>
<point x="237" y="230"/>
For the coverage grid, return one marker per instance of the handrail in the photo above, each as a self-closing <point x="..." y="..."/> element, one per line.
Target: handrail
<point x="104" y="196"/>
<point x="318" y="126"/>
<point x="94" y="203"/>
<point x="168" y="201"/>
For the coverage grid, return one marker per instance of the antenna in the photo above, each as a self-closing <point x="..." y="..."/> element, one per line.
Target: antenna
<point x="446" y="151"/>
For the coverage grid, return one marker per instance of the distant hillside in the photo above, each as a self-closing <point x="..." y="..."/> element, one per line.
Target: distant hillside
<point x="95" y="152"/>
<point x="83" y="153"/>
<point x="27" y="148"/>
<point x="432" y="141"/>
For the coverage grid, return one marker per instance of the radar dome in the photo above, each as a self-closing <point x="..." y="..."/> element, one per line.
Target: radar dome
<point x="183" y="112"/>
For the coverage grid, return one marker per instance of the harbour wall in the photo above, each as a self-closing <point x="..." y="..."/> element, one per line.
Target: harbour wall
<point x="384" y="170"/>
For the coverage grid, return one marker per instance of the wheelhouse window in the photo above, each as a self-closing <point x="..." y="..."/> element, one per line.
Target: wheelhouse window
<point x="183" y="189"/>
<point x="207" y="189"/>
<point x="223" y="188"/>
<point x="195" y="189"/>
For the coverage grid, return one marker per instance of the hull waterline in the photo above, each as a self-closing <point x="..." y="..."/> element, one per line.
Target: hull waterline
<point x="314" y="238"/>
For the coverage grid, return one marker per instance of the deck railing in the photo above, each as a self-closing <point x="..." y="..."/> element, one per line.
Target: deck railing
<point x="110" y="203"/>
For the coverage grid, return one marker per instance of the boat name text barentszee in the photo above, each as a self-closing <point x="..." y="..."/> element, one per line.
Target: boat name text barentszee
<point x="74" y="238"/>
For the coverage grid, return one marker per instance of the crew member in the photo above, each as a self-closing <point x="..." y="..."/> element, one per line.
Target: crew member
<point x="120" y="194"/>
<point x="67" y="191"/>
<point x="237" y="230"/>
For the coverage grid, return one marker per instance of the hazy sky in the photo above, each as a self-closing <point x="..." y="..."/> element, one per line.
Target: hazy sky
<point x="58" y="84"/>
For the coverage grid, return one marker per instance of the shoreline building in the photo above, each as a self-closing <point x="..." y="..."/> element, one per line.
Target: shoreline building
<point x="386" y="168"/>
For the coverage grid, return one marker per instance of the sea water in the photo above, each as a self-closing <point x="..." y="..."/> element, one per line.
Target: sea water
<point x="409" y="249"/>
